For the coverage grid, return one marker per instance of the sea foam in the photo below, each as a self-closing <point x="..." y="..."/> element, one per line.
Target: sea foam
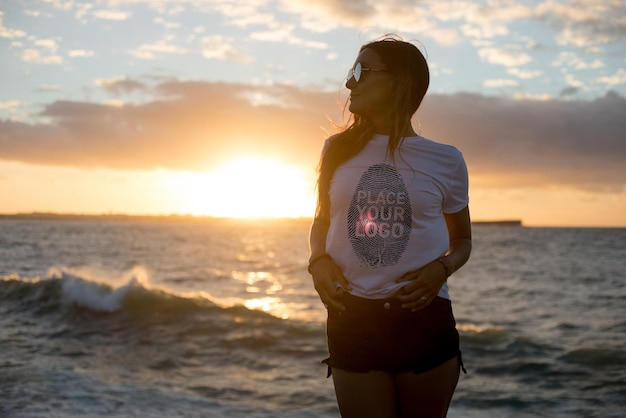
<point x="97" y="296"/>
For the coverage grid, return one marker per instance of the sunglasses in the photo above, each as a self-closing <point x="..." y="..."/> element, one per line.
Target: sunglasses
<point x="358" y="70"/>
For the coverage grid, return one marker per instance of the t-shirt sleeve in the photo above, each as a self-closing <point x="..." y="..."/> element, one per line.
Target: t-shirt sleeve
<point x="457" y="196"/>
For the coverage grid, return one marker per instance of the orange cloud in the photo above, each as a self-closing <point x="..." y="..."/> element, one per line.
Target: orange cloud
<point x="192" y="126"/>
<point x="195" y="125"/>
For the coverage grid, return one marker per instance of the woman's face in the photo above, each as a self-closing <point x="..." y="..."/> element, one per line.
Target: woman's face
<point x="372" y="95"/>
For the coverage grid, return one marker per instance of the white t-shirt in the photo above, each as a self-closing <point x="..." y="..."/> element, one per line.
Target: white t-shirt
<point x="386" y="218"/>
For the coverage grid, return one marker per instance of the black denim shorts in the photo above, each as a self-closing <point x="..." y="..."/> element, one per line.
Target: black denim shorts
<point x="378" y="334"/>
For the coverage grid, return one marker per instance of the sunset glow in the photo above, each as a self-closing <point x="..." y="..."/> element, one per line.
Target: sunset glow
<point x="247" y="187"/>
<point x="221" y="109"/>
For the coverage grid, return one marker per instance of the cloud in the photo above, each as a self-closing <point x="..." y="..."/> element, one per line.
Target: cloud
<point x="221" y="48"/>
<point x="569" y="91"/>
<point x="585" y="23"/>
<point x="43" y="51"/>
<point x="49" y="88"/>
<point x="500" y="82"/>
<point x="509" y="57"/>
<point x="50" y="44"/>
<point x="619" y="77"/>
<point x="80" y="53"/>
<point x="581" y="23"/>
<point x="12" y="104"/>
<point x="486" y="22"/>
<point x="34" y="56"/>
<point x="577" y="144"/>
<point x="524" y="74"/>
<point x="571" y="60"/>
<point x="8" y="32"/>
<point x="166" y="24"/>
<point x="341" y="13"/>
<point x="108" y="14"/>
<point x="150" y="51"/>
<point x="195" y="125"/>
<point x="121" y="85"/>
<point x="374" y="18"/>
<point x="284" y="33"/>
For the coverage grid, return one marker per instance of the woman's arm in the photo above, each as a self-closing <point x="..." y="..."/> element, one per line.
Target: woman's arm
<point x="424" y="284"/>
<point x="317" y="237"/>
<point x="460" y="232"/>
<point x="327" y="277"/>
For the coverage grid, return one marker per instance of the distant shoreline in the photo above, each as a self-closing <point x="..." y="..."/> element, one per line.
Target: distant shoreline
<point x="176" y="218"/>
<point x="44" y="216"/>
<point x="509" y="222"/>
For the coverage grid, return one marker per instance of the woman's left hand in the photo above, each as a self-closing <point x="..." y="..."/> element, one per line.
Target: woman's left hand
<point x="422" y="286"/>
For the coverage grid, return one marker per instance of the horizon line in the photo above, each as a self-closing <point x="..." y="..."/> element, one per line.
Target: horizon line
<point x="35" y="215"/>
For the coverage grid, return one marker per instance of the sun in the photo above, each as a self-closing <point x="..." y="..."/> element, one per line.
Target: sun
<point x="248" y="187"/>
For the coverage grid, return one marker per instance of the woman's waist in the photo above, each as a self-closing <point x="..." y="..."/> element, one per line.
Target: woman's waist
<point x="389" y="307"/>
<point x="379" y="292"/>
<point x="387" y="292"/>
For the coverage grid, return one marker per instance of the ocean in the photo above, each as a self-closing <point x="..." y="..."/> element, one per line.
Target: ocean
<point x="218" y="318"/>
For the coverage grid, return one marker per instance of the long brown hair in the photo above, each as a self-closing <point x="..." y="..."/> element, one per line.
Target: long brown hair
<point x="409" y="71"/>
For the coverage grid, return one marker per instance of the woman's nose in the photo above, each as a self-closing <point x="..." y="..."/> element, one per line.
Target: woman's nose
<point x="351" y="83"/>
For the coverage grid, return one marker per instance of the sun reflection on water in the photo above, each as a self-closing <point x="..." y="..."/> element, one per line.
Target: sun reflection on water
<point x="268" y="304"/>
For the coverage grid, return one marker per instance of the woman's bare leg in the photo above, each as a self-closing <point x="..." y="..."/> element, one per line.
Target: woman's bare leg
<point x="360" y="395"/>
<point x="428" y="394"/>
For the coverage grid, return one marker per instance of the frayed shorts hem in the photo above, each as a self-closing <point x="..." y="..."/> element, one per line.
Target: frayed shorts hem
<point x="330" y="367"/>
<point x="381" y="335"/>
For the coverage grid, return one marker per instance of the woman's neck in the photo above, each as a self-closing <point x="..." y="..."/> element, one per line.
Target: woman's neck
<point x="387" y="128"/>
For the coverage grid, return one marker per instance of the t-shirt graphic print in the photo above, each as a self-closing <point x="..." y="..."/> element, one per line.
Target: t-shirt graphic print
<point x="379" y="217"/>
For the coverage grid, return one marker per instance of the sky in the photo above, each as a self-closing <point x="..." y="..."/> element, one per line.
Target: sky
<point x="220" y="107"/>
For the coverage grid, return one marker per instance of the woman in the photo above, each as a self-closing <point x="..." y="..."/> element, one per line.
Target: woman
<point x="392" y="224"/>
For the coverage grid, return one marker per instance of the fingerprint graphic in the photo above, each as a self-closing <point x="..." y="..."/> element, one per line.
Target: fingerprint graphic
<point x="379" y="217"/>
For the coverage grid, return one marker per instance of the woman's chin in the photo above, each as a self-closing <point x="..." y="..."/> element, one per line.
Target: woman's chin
<point x="354" y="109"/>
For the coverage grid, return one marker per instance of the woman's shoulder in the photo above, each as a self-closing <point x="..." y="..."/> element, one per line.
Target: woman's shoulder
<point x="425" y="144"/>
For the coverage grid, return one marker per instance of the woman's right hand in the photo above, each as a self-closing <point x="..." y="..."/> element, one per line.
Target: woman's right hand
<point x="329" y="283"/>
